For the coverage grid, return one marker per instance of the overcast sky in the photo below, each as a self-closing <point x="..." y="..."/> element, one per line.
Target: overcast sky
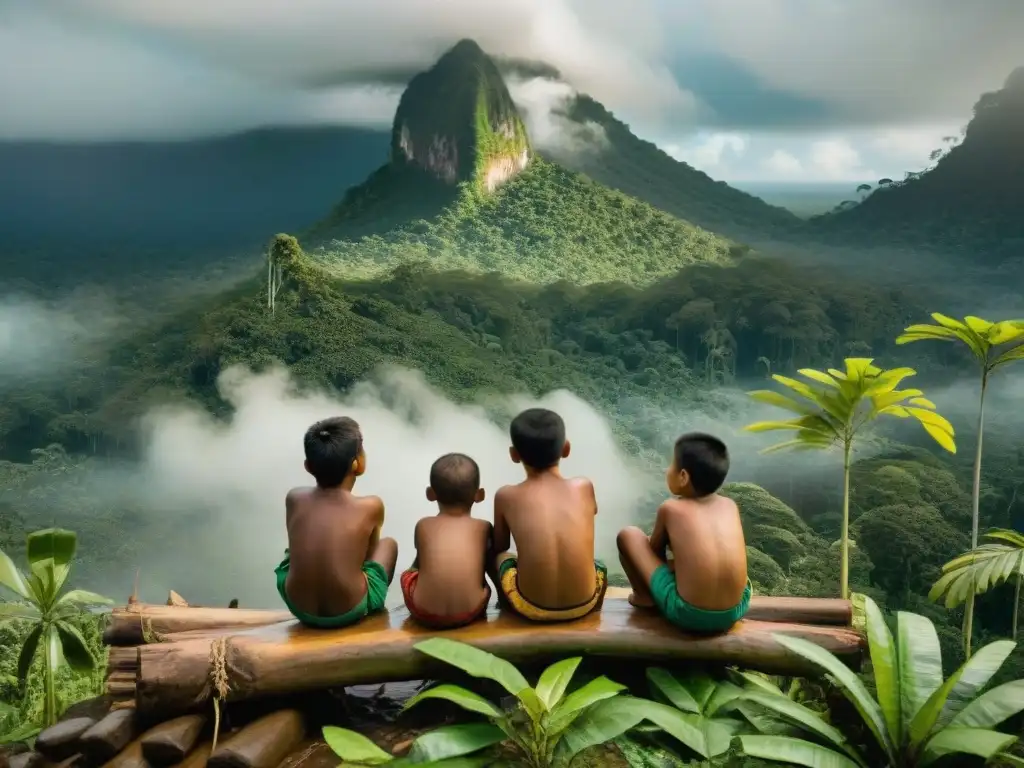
<point x="801" y="90"/>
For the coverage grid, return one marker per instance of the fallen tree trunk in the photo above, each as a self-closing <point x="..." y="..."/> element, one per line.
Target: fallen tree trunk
<point x="288" y="658"/>
<point x="142" y="623"/>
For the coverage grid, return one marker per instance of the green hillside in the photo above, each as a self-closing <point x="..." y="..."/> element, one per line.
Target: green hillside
<point x="639" y="168"/>
<point x="547" y="224"/>
<point x="970" y="202"/>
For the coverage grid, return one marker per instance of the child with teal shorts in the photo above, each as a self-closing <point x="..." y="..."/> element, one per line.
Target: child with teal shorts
<point x="704" y="587"/>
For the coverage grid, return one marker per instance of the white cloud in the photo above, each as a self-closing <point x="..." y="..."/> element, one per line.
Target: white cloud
<point x="544" y="103"/>
<point x="837" y="160"/>
<point x="710" y="152"/>
<point x="783" y="164"/>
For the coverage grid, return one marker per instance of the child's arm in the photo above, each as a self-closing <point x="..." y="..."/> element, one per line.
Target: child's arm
<point x="416" y="543"/>
<point x="502" y="540"/>
<point x="378" y="513"/>
<point x="659" y="536"/>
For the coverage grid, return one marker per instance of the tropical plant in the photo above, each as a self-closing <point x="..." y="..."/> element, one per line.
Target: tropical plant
<point x="39" y="600"/>
<point x="698" y="710"/>
<point x="916" y="717"/>
<point x="834" y="412"/>
<point x="982" y="568"/>
<point x="545" y="727"/>
<point x="993" y="346"/>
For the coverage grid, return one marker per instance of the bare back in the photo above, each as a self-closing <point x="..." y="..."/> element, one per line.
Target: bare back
<point x="710" y="554"/>
<point x="331" y="532"/>
<point x="551" y="520"/>
<point x="451" y="554"/>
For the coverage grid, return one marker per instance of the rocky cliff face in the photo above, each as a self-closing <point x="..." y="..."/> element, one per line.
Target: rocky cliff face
<point x="458" y="122"/>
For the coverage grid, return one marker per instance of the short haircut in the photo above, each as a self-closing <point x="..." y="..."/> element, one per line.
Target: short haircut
<point x="331" y="446"/>
<point x="455" y="479"/>
<point x="538" y="435"/>
<point x="706" y="460"/>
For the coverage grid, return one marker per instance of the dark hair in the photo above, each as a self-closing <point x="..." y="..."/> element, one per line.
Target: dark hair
<point x="705" y="458"/>
<point x="455" y="479"/>
<point x="538" y="435"/>
<point x="331" y="446"/>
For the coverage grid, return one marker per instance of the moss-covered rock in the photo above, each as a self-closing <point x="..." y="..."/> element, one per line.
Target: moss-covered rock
<point x="457" y="120"/>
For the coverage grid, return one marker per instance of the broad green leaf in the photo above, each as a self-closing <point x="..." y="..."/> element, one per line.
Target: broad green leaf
<point x="50" y="553"/>
<point x="819" y="376"/>
<point x="851" y="684"/>
<point x="74" y="647"/>
<point x="701" y="688"/>
<point x="353" y="747"/>
<point x="885" y="669"/>
<point x="807" y="719"/>
<point x="752" y="678"/>
<point x="596" y="690"/>
<point x="18" y="611"/>
<point x="532" y="704"/>
<point x="555" y="679"/>
<point x="11" y="578"/>
<point x="798" y="445"/>
<point x="965" y="741"/>
<point x="603" y="722"/>
<point x="1013" y="538"/>
<point x="922" y="402"/>
<point x="770" y="397"/>
<point x="923" y="724"/>
<point x="1011" y="760"/>
<point x="83" y="597"/>
<point x="453" y="693"/>
<point x="682" y="726"/>
<point x="454" y="741"/>
<point x="1006" y="331"/>
<point x="821" y="399"/>
<point x="785" y="749"/>
<point x="992" y="707"/>
<point x="475" y="662"/>
<point x="1011" y="355"/>
<point x="974" y="675"/>
<point x="724" y="695"/>
<point x="979" y="326"/>
<point x="940" y="436"/>
<point x="920" y="663"/>
<point x="29" y="646"/>
<point x="671" y="688"/>
<point x="768" y="426"/>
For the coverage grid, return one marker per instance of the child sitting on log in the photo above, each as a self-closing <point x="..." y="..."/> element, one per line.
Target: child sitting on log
<point x="553" y="575"/>
<point x="337" y="568"/>
<point x="446" y="586"/>
<point x="704" y="588"/>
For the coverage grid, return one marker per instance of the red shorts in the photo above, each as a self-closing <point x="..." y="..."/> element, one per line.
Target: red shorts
<point x="408" y="581"/>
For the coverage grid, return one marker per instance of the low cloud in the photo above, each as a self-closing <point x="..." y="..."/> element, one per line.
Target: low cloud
<point x="545" y="104"/>
<point x="218" y="487"/>
<point x="42" y="339"/>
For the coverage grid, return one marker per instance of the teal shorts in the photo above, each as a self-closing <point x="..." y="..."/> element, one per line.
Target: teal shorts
<point x="688" y="617"/>
<point x="373" y="600"/>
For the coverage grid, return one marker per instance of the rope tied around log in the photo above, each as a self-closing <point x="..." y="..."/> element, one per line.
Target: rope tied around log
<point x="218" y="681"/>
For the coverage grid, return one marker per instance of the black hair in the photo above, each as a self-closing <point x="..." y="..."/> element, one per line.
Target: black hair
<point x="331" y="446"/>
<point x="455" y="479"/>
<point x="538" y="435"/>
<point x="706" y="460"/>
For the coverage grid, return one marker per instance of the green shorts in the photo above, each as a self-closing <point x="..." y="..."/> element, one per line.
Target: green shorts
<point x="688" y="617"/>
<point x="373" y="600"/>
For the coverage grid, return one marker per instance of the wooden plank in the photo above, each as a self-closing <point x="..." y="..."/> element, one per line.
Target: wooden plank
<point x="264" y="743"/>
<point x="288" y="658"/>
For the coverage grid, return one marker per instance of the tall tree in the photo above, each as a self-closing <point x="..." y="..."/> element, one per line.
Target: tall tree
<point x="834" y="411"/>
<point x="993" y="346"/>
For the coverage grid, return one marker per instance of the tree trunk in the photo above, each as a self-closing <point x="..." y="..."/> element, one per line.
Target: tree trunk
<point x="975" y="514"/>
<point x="287" y="658"/>
<point x="844" y="536"/>
<point x="132" y="625"/>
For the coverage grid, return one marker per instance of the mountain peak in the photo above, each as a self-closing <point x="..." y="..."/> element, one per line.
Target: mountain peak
<point x="458" y="122"/>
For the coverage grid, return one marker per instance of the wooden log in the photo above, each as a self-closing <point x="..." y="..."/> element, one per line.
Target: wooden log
<point x="122" y="659"/>
<point x="137" y="624"/>
<point x="129" y="757"/>
<point x="288" y="658"/>
<point x="170" y="623"/>
<point x="263" y="743"/>
<point x="169" y="743"/>
<point x="28" y="759"/>
<point x="110" y="735"/>
<point x="198" y="757"/>
<point x="61" y="740"/>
